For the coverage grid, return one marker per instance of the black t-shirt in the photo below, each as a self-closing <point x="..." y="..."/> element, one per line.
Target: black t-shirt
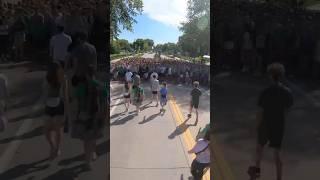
<point x="275" y="101"/>
<point x="195" y="94"/>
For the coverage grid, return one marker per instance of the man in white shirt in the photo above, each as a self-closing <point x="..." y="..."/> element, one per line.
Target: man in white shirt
<point x="59" y="46"/>
<point x="129" y="75"/>
<point x="154" y="87"/>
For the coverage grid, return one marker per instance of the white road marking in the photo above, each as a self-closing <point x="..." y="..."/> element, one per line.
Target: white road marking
<point x="114" y="108"/>
<point x="12" y="148"/>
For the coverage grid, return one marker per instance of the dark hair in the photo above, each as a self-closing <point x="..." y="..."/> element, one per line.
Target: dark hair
<point x="164" y="84"/>
<point x="82" y="36"/>
<point x="276" y="71"/>
<point x="52" y="74"/>
<point x="60" y="29"/>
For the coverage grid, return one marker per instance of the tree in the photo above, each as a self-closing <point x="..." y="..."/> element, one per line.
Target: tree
<point x="195" y="39"/>
<point x="122" y="14"/>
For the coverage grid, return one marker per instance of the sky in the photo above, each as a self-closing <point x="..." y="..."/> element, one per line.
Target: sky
<point x="159" y="21"/>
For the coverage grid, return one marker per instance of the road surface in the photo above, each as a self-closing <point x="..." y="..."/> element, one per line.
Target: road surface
<point x="151" y="145"/>
<point x="23" y="148"/>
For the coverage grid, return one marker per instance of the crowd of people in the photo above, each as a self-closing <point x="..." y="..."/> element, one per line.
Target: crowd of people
<point x="170" y="70"/>
<point x="74" y="95"/>
<point x="26" y="27"/>
<point x="249" y="36"/>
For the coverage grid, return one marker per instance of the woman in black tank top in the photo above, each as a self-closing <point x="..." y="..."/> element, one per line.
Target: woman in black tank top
<point x="54" y="108"/>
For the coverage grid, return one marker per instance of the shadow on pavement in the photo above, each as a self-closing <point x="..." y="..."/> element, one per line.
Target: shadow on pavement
<point x="101" y="150"/>
<point x="113" y="105"/>
<point x="122" y="121"/>
<point x="24" y="169"/>
<point x="117" y="115"/>
<point x="146" y="106"/>
<point x="150" y="118"/>
<point x="68" y="173"/>
<point x="181" y="129"/>
<point x="35" y="132"/>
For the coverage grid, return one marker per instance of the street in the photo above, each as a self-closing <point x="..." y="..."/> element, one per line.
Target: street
<point x="23" y="147"/>
<point x="235" y="105"/>
<point x="151" y="145"/>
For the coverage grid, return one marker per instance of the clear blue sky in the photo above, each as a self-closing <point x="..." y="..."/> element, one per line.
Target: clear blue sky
<point x="149" y="28"/>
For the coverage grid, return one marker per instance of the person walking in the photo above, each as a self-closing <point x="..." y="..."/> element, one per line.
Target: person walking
<point x="128" y="77"/>
<point x="54" y="108"/>
<point x="59" y="44"/>
<point x="163" y="96"/>
<point x="4" y="96"/>
<point x="126" y="96"/>
<point x="154" y="89"/>
<point x="137" y="97"/>
<point x="195" y="98"/>
<point x="274" y="102"/>
<point x="202" y="160"/>
<point x="88" y="123"/>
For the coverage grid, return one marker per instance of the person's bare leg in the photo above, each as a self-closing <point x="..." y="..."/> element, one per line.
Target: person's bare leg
<point x="278" y="163"/>
<point x="259" y="151"/>
<point x="49" y="136"/>
<point x="87" y="152"/>
<point x="196" y="116"/>
<point x="94" y="150"/>
<point x="58" y="136"/>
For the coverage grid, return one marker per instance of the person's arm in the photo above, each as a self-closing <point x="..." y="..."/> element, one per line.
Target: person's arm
<point x="192" y="151"/>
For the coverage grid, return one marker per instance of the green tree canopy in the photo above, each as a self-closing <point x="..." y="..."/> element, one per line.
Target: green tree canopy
<point x="122" y="14"/>
<point x="195" y="40"/>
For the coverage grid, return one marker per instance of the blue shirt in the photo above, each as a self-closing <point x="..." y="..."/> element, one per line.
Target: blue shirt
<point x="163" y="92"/>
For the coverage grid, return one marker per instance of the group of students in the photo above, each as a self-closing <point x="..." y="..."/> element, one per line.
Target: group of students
<point x="73" y="97"/>
<point x="134" y="92"/>
<point x="177" y="71"/>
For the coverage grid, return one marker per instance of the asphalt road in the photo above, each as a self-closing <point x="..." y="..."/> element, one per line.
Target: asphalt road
<point x="151" y="145"/>
<point x="23" y="148"/>
<point x="235" y="105"/>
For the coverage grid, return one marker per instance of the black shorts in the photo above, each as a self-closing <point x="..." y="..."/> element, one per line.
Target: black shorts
<point x="273" y="136"/>
<point x="194" y="105"/>
<point x="55" y="111"/>
<point x="154" y="92"/>
<point x="126" y="96"/>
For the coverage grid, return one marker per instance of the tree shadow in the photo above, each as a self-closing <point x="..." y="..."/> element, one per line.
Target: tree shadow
<point x="117" y="115"/>
<point x="150" y="118"/>
<point x="35" y="132"/>
<point x="34" y="114"/>
<point x="24" y="169"/>
<point x="101" y="150"/>
<point x="117" y="104"/>
<point x="68" y="173"/>
<point x="181" y="129"/>
<point x="122" y="121"/>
